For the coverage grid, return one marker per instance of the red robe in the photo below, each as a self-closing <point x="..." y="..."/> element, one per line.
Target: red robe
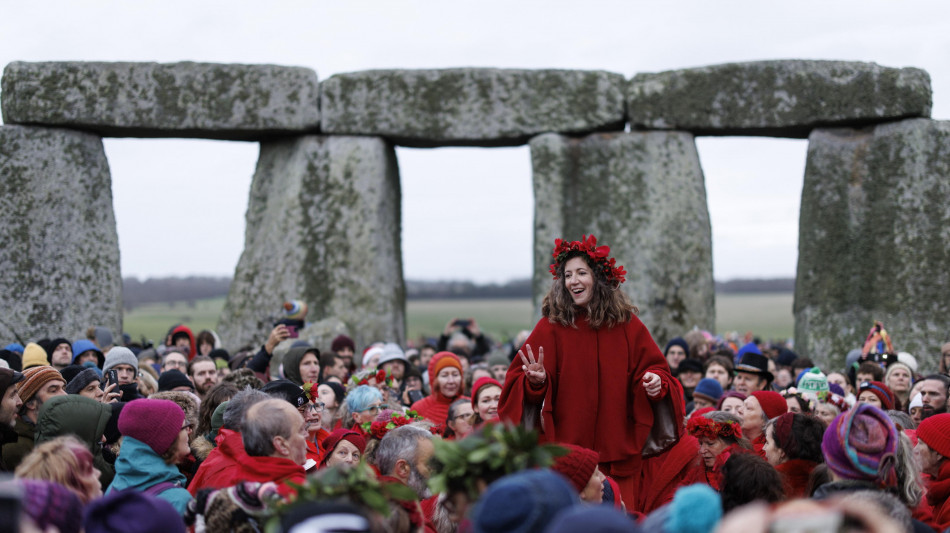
<point x="593" y="394"/>
<point x="276" y="469"/>
<point x="682" y="466"/>
<point x="795" y="474"/>
<point x="938" y="495"/>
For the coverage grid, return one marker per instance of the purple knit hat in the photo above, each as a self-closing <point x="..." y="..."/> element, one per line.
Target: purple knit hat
<point x="861" y="444"/>
<point x="51" y="504"/>
<point x="125" y="511"/>
<point x="152" y="422"/>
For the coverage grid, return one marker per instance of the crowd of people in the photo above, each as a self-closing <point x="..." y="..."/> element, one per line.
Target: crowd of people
<point x="581" y="423"/>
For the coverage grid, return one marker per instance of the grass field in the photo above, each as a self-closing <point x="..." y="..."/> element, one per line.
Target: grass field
<point x="768" y="315"/>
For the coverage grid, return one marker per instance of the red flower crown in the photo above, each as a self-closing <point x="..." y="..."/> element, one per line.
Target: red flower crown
<point x="380" y="376"/>
<point x="702" y="427"/>
<point x="379" y="428"/>
<point x="598" y="255"/>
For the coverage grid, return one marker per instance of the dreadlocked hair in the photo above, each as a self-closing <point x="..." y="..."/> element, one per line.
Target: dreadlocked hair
<point x="608" y="307"/>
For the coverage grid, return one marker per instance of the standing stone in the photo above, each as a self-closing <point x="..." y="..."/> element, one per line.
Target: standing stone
<point x="471" y="106"/>
<point x="204" y="100"/>
<point x="776" y="98"/>
<point x="323" y="225"/>
<point x="642" y="194"/>
<point x="874" y="240"/>
<point x="59" y="249"/>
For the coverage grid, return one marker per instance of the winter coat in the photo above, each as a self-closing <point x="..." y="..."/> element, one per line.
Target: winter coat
<point x="139" y="468"/>
<point x="79" y="416"/>
<point x="7" y="435"/>
<point x="220" y="468"/>
<point x="15" y="450"/>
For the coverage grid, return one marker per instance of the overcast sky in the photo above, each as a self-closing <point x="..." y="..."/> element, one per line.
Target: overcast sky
<point x="467" y="212"/>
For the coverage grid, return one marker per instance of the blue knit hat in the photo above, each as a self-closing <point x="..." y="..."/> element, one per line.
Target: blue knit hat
<point x="599" y="518"/>
<point x="524" y="502"/>
<point x="708" y="388"/>
<point x="677" y="341"/>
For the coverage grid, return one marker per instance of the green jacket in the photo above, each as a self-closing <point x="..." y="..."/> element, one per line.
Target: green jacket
<point x="81" y="417"/>
<point x="14" y="452"/>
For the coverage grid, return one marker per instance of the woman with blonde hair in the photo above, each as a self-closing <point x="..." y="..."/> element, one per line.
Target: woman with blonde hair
<point x="64" y="460"/>
<point x="591" y="375"/>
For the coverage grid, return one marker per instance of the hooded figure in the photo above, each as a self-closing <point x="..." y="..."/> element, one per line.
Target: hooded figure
<point x="80" y="416"/>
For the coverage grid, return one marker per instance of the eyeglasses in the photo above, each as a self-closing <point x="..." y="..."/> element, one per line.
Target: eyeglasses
<point x="464" y="415"/>
<point x="375" y="408"/>
<point x="176" y="364"/>
<point x="188" y="427"/>
<point x="313" y="407"/>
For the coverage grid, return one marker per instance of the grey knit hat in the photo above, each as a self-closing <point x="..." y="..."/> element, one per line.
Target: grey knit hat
<point x="82" y="379"/>
<point x="120" y="355"/>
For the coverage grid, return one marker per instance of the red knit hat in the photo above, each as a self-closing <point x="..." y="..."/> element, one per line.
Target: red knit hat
<point x="577" y="466"/>
<point x="773" y="404"/>
<point x="442" y="360"/>
<point x="333" y="439"/>
<point x="880" y="390"/>
<point x="935" y="432"/>
<point x="152" y="422"/>
<point x="480" y="383"/>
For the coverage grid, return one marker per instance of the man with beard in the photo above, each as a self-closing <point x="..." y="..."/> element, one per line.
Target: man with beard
<point x="203" y="373"/>
<point x="933" y="391"/>
<point x="10" y="403"/>
<point x="406" y="453"/>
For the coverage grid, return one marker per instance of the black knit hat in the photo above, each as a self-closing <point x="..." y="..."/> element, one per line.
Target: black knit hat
<point x="338" y="390"/>
<point x="173" y="378"/>
<point x="80" y="380"/>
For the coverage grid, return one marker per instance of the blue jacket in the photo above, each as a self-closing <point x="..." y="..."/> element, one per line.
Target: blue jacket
<point x="139" y="467"/>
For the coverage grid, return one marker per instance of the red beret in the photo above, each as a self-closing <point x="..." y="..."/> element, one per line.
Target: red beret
<point x="773" y="404"/>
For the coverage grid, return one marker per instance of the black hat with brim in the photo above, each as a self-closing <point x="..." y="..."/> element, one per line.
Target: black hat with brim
<point x="754" y="363"/>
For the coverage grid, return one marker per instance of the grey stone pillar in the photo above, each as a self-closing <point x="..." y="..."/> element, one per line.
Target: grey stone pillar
<point x="323" y="225"/>
<point x="642" y="194"/>
<point x="59" y="249"/>
<point x="874" y="240"/>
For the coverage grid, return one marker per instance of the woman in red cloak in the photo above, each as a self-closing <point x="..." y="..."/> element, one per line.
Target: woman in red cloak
<point x="599" y="380"/>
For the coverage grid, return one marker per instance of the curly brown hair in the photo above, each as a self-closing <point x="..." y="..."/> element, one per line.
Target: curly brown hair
<point x="608" y="307"/>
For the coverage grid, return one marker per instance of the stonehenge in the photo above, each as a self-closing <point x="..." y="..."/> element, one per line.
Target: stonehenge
<point x="611" y="155"/>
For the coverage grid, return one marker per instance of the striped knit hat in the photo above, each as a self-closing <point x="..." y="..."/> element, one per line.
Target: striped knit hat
<point x="861" y="444"/>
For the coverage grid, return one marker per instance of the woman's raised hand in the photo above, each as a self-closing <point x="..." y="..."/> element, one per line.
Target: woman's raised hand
<point x="652" y="383"/>
<point x="533" y="369"/>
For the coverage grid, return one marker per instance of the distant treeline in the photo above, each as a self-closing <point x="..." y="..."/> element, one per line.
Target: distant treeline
<point x="161" y="290"/>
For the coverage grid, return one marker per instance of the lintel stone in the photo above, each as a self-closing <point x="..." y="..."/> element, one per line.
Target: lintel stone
<point x="776" y="98"/>
<point x="471" y="106"/>
<point x="197" y="100"/>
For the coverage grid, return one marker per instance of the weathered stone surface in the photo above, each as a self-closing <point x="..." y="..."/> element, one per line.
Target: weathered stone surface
<point x="874" y="240"/>
<point x="643" y="195"/>
<point x="776" y="98"/>
<point x="471" y="106"/>
<point x="58" y="243"/>
<point x="323" y="225"/>
<point x="205" y="100"/>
